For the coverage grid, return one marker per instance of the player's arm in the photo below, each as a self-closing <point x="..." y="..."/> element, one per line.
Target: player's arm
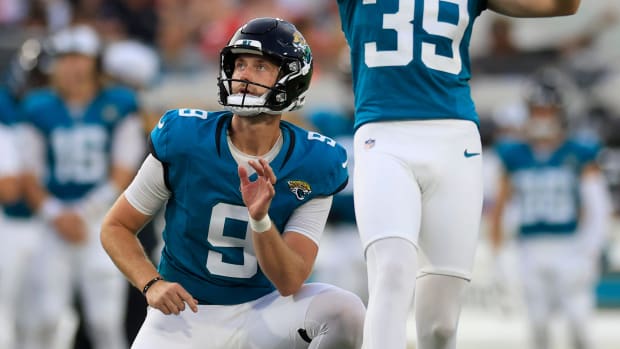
<point x="596" y="210"/>
<point x="9" y="189"/>
<point x="496" y="215"/>
<point x="287" y="259"/>
<point x="9" y="167"/>
<point x="534" y="8"/>
<point x="301" y="236"/>
<point x="135" y="208"/>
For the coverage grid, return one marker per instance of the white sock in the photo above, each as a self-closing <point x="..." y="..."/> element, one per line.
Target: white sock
<point x="437" y="309"/>
<point x="392" y="267"/>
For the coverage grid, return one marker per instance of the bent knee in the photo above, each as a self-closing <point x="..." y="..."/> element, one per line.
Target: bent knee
<point x="339" y="312"/>
<point x="347" y="308"/>
<point x="438" y="332"/>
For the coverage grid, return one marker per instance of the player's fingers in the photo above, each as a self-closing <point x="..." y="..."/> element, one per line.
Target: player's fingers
<point x="268" y="171"/>
<point x="257" y="167"/>
<point x="187" y="298"/>
<point x="178" y="301"/>
<point x="163" y="308"/>
<point x="243" y="175"/>
<point x="174" y="309"/>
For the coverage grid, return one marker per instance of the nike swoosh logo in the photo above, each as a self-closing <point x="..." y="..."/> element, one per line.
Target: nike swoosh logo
<point x="469" y="155"/>
<point x="160" y="124"/>
<point x="344" y="164"/>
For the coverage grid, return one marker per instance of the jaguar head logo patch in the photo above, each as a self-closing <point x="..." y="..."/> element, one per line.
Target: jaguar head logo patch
<point x="300" y="189"/>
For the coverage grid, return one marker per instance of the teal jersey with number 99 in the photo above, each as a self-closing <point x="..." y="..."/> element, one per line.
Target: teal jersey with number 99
<point x="410" y="58"/>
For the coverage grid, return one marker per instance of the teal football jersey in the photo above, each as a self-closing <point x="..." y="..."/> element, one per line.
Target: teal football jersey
<point x="547" y="187"/>
<point x="78" y="142"/>
<point x="208" y="242"/>
<point x="8" y="111"/>
<point x="9" y="117"/>
<point x="410" y="58"/>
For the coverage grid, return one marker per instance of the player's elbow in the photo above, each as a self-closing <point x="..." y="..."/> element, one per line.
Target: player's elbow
<point x="105" y="236"/>
<point x="288" y="286"/>
<point x="110" y="228"/>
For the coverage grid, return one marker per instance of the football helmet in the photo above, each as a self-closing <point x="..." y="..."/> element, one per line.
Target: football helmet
<point x="546" y="100"/>
<point x="284" y="45"/>
<point x="545" y="89"/>
<point x="131" y="62"/>
<point x="80" y="39"/>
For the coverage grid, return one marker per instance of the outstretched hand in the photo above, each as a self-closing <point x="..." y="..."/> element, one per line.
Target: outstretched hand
<point x="257" y="195"/>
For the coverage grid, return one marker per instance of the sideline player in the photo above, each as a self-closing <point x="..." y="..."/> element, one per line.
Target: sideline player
<point x="564" y="214"/>
<point x="85" y="145"/>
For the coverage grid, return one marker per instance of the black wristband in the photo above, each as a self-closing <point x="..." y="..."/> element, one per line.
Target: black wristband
<point x="150" y="283"/>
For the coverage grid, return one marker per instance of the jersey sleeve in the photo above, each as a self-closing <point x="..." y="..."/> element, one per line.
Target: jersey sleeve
<point x="33" y="105"/>
<point x="339" y="174"/>
<point x="162" y="141"/>
<point x="125" y="99"/>
<point x="176" y="134"/>
<point x="589" y="152"/>
<point x="505" y="151"/>
<point x="330" y="165"/>
<point x="8" y="110"/>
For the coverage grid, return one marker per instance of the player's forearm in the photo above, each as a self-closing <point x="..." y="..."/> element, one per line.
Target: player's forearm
<point x="534" y="8"/>
<point x="495" y="228"/>
<point x="496" y="215"/>
<point x="128" y="254"/>
<point x="284" y="267"/>
<point x="9" y="189"/>
<point x="596" y="218"/>
<point x="40" y="200"/>
<point x="119" y="239"/>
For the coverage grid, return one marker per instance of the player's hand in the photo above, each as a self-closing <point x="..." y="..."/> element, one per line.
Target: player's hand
<point x="71" y="227"/>
<point x="257" y="195"/>
<point x="170" y="298"/>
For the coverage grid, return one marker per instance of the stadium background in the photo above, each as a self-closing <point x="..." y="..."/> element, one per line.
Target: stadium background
<point x="186" y="36"/>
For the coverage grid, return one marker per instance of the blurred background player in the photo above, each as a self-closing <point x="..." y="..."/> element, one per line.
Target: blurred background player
<point x="9" y="162"/>
<point x="563" y="209"/>
<point x="20" y="230"/>
<point x="10" y="191"/>
<point x="85" y="142"/>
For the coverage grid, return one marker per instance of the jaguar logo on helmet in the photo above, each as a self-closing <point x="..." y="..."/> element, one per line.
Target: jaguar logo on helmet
<point x="300" y="43"/>
<point x="301" y="189"/>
